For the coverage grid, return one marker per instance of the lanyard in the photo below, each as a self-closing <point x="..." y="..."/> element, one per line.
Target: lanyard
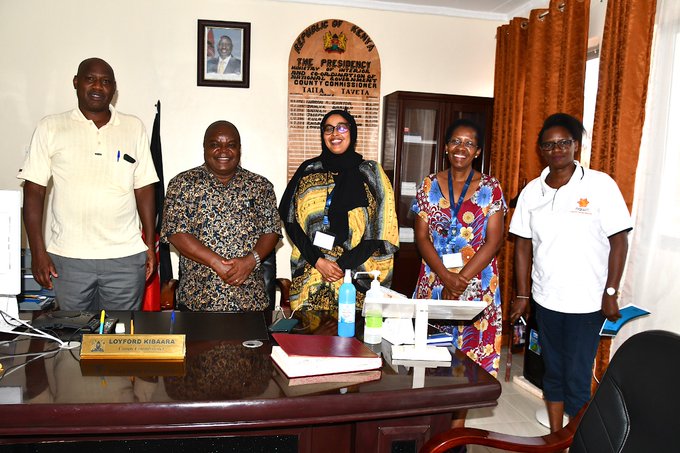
<point x="456" y="207"/>
<point x="327" y="207"/>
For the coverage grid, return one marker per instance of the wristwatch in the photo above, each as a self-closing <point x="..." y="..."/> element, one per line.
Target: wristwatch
<point x="611" y="291"/>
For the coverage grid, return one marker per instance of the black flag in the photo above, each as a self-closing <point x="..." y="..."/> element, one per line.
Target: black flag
<point x="165" y="267"/>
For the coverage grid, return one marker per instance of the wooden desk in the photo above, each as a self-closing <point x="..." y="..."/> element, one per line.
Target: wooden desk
<point x="228" y="396"/>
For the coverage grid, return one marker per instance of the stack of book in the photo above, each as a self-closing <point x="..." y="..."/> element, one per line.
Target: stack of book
<point x="322" y="361"/>
<point x="440" y="339"/>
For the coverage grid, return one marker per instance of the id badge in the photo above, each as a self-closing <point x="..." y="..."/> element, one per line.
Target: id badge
<point x="453" y="260"/>
<point x="324" y="240"/>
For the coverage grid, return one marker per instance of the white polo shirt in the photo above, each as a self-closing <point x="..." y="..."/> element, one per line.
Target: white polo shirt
<point x="569" y="229"/>
<point x="94" y="174"/>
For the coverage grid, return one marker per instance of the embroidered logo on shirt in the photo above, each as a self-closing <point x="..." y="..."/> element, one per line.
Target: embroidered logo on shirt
<point x="582" y="206"/>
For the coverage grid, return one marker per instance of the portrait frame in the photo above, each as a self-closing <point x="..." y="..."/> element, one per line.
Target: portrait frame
<point x="214" y="38"/>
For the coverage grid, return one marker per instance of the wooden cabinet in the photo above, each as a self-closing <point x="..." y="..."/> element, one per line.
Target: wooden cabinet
<point x="414" y="125"/>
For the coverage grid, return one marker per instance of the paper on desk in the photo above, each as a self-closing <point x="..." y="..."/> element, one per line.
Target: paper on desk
<point x="399" y="331"/>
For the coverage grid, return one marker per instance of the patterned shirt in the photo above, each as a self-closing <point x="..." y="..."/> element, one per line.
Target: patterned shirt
<point x="228" y="219"/>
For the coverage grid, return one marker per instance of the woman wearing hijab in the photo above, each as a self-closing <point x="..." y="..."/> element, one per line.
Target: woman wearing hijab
<point x="338" y="211"/>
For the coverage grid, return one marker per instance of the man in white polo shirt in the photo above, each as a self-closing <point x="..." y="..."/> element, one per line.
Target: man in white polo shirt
<point x="103" y="185"/>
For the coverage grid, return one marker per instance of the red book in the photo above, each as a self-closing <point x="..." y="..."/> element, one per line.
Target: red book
<point x="322" y="383"/>
<point x="312" y="355"/>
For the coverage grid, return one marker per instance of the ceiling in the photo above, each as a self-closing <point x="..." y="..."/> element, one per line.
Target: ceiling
<point x="502" y="10"/>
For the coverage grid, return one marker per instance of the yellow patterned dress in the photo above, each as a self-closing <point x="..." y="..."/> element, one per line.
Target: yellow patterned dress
<point x="373" y="233"/>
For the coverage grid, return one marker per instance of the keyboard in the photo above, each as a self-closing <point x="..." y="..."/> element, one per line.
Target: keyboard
<point x="57" y="320"/>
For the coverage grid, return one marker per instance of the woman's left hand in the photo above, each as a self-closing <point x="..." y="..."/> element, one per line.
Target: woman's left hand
<point x="518" y="308"/>
<point x="610" y="307"/>
<point x="329" y="270"/>
<point x="454" y="285"/>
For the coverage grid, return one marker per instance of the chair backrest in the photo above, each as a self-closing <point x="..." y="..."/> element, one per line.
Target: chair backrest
<point x="635" y="407"/>
<point x="269" y="274"/>
<point x="268" y="265"/>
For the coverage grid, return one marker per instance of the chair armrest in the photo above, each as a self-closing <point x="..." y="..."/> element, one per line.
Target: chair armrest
<point x="283" y="285"/>
<point x="552" y="442"/>
<point x="168" y="294"/>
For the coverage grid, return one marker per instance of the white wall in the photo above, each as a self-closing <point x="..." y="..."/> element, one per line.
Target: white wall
<point x="151" y="45"/>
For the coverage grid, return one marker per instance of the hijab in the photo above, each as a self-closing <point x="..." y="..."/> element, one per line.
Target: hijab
<point x="349" y="191"/>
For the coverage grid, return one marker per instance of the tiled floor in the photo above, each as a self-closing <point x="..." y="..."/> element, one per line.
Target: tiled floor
<point x="516" y="410"/>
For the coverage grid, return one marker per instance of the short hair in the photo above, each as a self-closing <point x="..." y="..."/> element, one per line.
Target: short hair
<point x="221" y="123"/>
<point x="464" y="122"/>
<point x="85" y="64"/>
<point x="571" y="124"/>
<point x="224" y="37"/>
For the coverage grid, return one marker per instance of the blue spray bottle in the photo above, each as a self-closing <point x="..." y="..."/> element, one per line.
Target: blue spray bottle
<point x="347" y="301"/>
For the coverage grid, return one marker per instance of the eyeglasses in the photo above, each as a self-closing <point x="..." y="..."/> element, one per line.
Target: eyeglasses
<point x="563" y="144"/>
<point x="455" y="142"/>
<point x="341" y="128"/>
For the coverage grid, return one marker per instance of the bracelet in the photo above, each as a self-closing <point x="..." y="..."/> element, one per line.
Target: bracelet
<point x="257" y="258"/>
<point x="522" y="297"/>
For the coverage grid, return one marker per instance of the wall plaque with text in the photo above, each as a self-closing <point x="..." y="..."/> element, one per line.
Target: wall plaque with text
<point x="333" y="64"/>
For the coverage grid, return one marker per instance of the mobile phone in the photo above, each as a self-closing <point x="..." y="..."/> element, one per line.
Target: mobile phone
<point x="283" y="325"/>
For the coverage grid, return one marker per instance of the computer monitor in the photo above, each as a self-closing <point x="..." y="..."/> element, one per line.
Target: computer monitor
<point x="10" y="257"/>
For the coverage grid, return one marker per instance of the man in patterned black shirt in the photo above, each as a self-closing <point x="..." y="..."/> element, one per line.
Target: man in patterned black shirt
<point x="223" y="221"/>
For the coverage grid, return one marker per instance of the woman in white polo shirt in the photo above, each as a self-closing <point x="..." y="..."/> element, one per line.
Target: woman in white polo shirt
<point x="571" y="226"/>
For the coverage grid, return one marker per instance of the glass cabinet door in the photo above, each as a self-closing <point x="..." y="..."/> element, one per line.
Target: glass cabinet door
<point x="414" y="126"/>
<point x="418" y="157"/>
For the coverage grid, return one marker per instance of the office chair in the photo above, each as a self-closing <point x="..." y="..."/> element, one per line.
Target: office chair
<point x="634" y="408"/>
<point x="271" y="284"/>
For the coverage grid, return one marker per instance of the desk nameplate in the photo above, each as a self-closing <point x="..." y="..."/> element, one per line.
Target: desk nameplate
<point x="133" y="347"/>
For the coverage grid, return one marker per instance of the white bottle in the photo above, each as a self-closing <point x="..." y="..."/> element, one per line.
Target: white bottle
<point x="373" y="312"/>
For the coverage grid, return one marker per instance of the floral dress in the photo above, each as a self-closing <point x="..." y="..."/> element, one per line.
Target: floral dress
<point x="480" y="338"/>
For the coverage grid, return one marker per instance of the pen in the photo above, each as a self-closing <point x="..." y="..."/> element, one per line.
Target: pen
<point x="172" y="321"/>
<point x="101" y="322"/>
<point x="132" y="323"/>
<point x="118" y="156"/>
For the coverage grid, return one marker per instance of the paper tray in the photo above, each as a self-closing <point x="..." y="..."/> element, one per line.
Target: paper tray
<point x="461" y="310"/>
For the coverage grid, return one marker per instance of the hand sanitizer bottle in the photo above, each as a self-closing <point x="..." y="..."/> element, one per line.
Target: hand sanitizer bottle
<point x="373" y="312"/>
<point x="347" y="302"/>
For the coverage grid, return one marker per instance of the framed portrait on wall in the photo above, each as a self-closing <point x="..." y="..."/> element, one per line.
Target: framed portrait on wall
<point x="223" y="54"/>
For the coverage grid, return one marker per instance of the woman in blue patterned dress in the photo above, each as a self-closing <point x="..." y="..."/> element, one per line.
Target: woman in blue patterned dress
<point x="459" y="257"/>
